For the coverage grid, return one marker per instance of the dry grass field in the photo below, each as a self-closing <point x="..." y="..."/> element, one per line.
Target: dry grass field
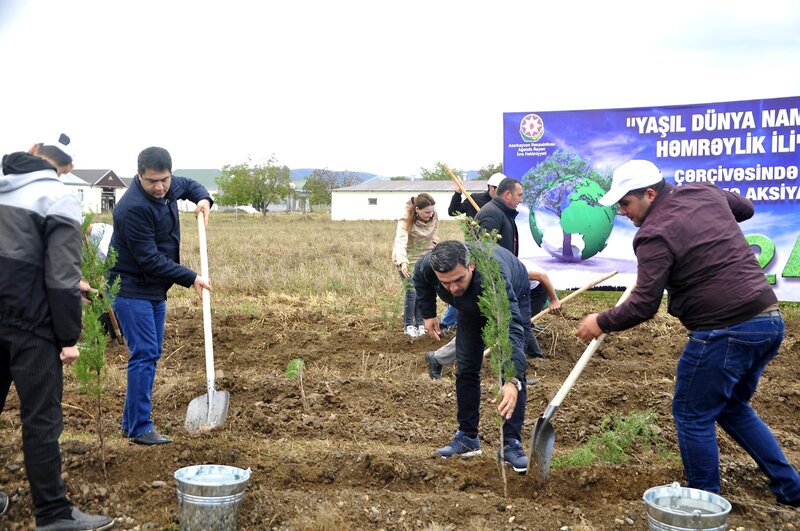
<point x="359" y="454"/>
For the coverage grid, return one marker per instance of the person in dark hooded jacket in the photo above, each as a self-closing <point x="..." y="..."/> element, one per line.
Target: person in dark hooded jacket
<point x="40" y="318"/>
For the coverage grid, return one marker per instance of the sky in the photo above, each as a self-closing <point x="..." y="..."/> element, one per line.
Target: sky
<point x="379" y="87"/>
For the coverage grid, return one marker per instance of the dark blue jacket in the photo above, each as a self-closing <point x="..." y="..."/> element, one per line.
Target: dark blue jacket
<point x="518" y="287"/>
<point x="147" y="238"/>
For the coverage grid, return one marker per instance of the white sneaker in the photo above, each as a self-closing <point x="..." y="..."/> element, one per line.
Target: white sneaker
<point x="421" y="332"/>
<point x="411" y="330"/>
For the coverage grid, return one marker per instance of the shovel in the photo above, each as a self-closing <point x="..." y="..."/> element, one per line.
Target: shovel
<point x="207" y="411"/>
<point x="544" y="436"/>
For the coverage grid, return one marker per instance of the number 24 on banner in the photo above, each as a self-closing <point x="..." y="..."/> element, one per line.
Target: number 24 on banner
<point x="766" y="252"/>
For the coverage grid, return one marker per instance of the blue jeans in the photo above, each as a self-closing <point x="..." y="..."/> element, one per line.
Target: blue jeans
<point x="142" y="324"/>
<point x="716" y="377"/>
<point x="449" y="317"/>
<point x="412" y="315"/>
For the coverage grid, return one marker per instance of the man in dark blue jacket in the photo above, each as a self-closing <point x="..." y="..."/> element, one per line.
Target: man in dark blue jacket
<point x="447" y="271"/>
<point x="147" y="239"/>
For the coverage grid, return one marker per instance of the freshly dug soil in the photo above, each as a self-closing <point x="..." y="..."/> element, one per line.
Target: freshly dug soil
<point x="361" y="456"/>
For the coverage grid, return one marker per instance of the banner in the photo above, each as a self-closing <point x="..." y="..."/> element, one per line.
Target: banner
<point x="565" y="160"/>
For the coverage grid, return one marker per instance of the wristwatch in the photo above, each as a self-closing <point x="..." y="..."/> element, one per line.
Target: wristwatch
<point x="517" y="383"/>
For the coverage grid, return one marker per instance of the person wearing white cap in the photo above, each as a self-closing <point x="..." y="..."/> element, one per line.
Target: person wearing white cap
<point x="689" y="243"/>
<point x="457" y="206"/>
<point x="40" y="318"/>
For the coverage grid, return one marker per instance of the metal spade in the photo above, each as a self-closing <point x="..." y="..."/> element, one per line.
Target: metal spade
<point x="544" y="436"/>
<point x="207" y="411"/>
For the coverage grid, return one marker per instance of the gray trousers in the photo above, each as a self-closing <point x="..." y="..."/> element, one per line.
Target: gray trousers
<point x="446" y="354"/>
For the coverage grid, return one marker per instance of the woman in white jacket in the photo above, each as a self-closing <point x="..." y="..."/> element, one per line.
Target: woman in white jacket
<point x="416" y="234"/>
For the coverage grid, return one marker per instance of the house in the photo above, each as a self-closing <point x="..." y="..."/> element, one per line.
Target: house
<point x="379" y="199"/>
<point x="97" y="190"/>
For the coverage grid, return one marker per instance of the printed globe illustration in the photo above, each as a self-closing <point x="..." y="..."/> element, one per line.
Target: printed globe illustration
<point x="583" y="224"/>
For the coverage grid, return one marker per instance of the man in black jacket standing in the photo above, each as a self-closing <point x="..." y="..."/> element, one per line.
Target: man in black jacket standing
<point x="40" y="318"/>
<point x="448" y="271"/>
<point x="500" y="214"/>
<point x="147" y="240"/>
<point x="457" y="206"/>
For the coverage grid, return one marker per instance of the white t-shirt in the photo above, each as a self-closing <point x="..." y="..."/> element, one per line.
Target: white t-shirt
<point x="530" y="266"/>
<point x="101" y="236"/>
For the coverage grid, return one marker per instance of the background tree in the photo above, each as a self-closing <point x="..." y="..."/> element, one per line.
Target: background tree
<point x="439" y="173"/>
<point x="258" y="186"/>
<point x="489" y="170"/>
<point x="321" y="182"/>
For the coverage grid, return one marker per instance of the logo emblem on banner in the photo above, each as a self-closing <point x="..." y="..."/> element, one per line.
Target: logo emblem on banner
<point x="531" y="128"/>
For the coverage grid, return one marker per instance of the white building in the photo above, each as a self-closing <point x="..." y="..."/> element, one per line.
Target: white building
<point x="376" y="199"/>
<point x="97" y="190"/>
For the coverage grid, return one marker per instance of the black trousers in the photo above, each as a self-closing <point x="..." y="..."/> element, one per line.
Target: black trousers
<point x="538" y="298"/>
<point x="469" y="360"/>
<point x="33" y="364"/>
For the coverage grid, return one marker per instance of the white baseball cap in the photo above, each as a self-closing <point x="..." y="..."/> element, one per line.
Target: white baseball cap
<point x="632" y="175"/>
<point x="495" y="179"/>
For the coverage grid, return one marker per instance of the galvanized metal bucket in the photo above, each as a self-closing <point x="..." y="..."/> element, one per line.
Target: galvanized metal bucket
<point x="676" y="508"/>
<point x="209" y="496"/>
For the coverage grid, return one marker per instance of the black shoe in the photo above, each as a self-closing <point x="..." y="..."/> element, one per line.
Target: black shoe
<point x="79" y="520"/>
<point x="3" y="503"/>
<point x="434" y="367"/>
<point x="792" y="503"/>
<point x="150" y="438"/>
<point x="534" y="353"/>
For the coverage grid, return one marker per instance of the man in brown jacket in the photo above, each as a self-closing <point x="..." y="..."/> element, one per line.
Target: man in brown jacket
<point x="689" y="243"/>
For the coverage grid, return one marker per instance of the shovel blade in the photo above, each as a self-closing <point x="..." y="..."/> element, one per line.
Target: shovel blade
<point x="207" y="412"/>
<point x="541" y="449"/>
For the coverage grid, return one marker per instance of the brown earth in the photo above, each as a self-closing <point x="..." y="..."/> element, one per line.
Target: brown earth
<point x="361" y="456"/>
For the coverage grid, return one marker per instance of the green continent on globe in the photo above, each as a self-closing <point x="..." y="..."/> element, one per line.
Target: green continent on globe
<point x="574" y="201"/>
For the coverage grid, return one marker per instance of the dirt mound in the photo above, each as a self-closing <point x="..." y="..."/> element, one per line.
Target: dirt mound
<point x="361" y="455"/>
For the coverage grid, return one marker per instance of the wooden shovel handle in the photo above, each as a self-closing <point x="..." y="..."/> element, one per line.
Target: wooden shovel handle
<point x="577" y="292"/>
<point x="584" y="359"/>
<point x="568" y="297"/>
<point x="461" y="188"/>
<point x="209" y="345"/>
<point x="115" y="325"/>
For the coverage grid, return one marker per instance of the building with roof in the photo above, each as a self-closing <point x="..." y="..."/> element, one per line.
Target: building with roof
<point x="379" y="199"/>
<point x="97" y="190"/>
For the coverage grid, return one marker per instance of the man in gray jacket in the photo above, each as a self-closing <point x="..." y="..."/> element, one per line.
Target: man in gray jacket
<point x="40" y="318"/>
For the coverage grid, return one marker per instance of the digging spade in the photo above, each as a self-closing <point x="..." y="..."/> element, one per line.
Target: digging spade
<point x="207" y="411"/>
<point x="544" y="436"/>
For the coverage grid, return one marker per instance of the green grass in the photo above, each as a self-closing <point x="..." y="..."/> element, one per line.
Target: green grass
<point x="620" y="437"/>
